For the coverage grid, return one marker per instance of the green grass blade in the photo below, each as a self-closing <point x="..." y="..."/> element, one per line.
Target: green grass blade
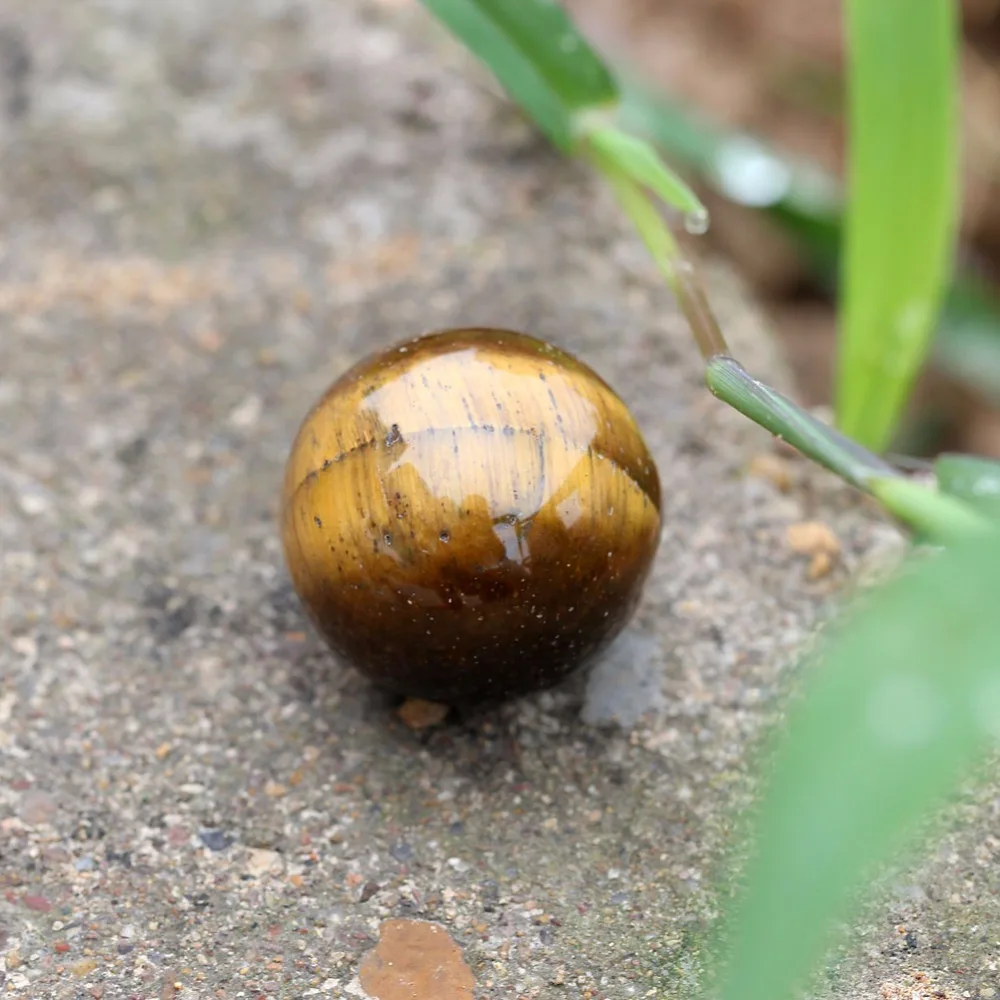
<point x="740" y="166"/>
<point x="536" y="53"/>
<point x="825" y="445"/>
<point x="632" y="194"/>
<point x="638" y="160"/>
<point x="902" y="206"/>
<point x="938" y="516"/>
<point x="905" y="702"/>
<point x="933" y="515"/>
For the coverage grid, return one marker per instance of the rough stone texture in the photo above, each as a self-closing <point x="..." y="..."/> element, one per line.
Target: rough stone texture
<point x="207" y="211"/>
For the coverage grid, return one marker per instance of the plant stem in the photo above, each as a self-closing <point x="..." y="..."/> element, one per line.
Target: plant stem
<point x="731" y="382"/>
<point x="697" y="309"/>
<point x="924" y="509"/>
<point x="932" y="513"/>
<point x="654" y="232"/>
<point x="935" y="514"/>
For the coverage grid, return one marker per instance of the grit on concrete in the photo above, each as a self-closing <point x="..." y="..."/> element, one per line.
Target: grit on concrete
<point x="209" y="209"/>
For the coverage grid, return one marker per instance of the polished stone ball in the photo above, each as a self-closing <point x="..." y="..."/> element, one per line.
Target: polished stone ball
<point x="470" y="515"/>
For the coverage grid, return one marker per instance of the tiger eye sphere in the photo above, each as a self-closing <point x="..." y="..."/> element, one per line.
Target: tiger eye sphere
<point x="470" y="515"/>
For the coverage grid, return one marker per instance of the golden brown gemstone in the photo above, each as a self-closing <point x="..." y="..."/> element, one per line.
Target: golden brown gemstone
<point x="469" y="515"/>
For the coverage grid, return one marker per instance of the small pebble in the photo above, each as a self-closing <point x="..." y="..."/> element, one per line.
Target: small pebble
<point x="819" y="566"/>
<point x="807" y="538"/>
<point x="775" y="469"/>
<point x="37" y="808"/>
<point x="177" y="836"/>
<point x="33" y="504"/>
<point x="401" y="851"/>
<point x="415" y="958"/>
<point x="817" y="540"/>
<point x="246" y="414"/>
<point x="261" y="861"/>
<point x="215" y="840"/>
<point x="419" y="714"/>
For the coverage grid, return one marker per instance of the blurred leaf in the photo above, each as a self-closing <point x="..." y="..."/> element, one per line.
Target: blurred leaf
<point x="975" y="480"/>
<point x="967" y="345"/>
<point x="536" y="53"/>
<point x="905" y="702"/>
<point x="902" y="206"/>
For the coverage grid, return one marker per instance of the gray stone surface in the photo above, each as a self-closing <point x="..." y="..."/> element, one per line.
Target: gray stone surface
<point x="207" y="211"/>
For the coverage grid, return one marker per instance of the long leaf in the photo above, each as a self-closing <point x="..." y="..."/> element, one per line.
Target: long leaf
<point x="637" y="159"/>
<point x="902" y="206"/>
<point x="905" y="702"/>
<point x="536" y="53"/>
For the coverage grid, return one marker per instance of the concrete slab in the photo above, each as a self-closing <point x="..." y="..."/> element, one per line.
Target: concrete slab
<point x="208" y="211"/>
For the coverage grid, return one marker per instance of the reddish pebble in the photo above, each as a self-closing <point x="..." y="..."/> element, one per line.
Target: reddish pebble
<point x="61" y="947"/>
<point x="37" y="808"/>
<point x="177" y="836"/>
<point x="415" y="958"/>
<point x="38" y="903"/>
<point x="418" y="713"/>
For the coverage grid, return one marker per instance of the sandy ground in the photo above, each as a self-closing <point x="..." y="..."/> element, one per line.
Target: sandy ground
<point x="207" y="212"/>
